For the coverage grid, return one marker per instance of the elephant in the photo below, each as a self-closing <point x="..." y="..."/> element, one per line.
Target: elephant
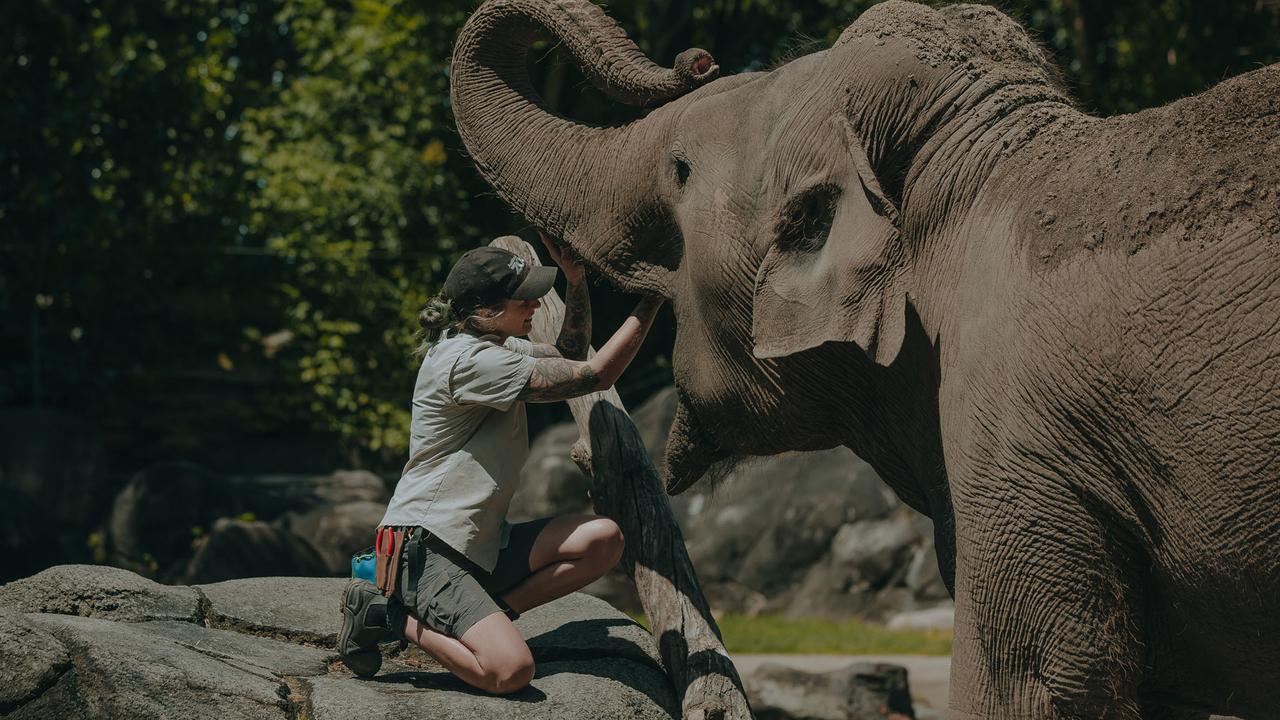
<point x="1055" y="334"/>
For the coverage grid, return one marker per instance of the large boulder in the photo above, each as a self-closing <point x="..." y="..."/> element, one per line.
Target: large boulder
<point x="261" y="662"/>
<point x="33" y="660"/>
<point x="96" y="591"/>
<point x="239" y="548"/>
<point x="336" y="531"/>
<point x="168" y="670"/>
<point x="162" y="511"/>
<point x="297" y="609"/>
<point x="164" y="521"/>
<point x="860" y="691"/>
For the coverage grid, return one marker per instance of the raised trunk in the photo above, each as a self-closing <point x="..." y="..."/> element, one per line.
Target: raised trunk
<point x="594" y="187"/>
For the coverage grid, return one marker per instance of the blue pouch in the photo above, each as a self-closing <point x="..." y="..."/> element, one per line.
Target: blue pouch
<point x="364" y="566"/>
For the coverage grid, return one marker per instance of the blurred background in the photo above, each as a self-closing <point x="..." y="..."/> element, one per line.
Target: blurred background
<point x="219" y="218"/>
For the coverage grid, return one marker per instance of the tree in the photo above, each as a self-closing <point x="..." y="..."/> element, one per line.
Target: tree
<point x="363" y="190"/>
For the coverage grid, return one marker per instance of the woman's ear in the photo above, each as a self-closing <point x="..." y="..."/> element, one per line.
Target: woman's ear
<point x="834" y="270"/>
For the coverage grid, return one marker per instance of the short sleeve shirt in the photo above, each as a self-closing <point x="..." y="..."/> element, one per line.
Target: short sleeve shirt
<point x="468" y="441"/>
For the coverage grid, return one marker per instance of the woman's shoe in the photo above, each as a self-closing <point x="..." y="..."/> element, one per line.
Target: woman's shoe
<point x="364" y="623"/>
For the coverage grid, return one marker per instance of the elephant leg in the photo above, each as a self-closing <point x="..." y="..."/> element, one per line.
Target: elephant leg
<point x="1048" y="613"/>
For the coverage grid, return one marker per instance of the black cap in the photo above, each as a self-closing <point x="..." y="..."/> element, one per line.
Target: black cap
<point x="489" y="274"/>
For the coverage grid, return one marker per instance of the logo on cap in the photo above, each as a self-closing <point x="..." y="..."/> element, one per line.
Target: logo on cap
<point x="516" y="264"/>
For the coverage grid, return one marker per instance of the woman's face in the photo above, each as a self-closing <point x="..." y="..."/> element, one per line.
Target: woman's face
<point x="516" y="317"/>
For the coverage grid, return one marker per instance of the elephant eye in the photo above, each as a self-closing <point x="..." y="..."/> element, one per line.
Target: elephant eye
<point x="806" y="220"/>
<point x="682" y="172"/>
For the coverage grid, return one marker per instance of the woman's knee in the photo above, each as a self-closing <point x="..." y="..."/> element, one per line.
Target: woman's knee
<point x="509" y="674"/>
<point x="606" y="544"/>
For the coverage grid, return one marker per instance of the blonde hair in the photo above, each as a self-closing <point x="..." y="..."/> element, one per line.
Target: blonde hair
<point x="440" y="315"/>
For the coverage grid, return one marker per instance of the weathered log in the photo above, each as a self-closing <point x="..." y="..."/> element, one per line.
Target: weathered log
<point x="625" y="486"/>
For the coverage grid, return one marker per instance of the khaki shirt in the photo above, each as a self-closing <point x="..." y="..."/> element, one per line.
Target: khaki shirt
<point x="468" y="442"/>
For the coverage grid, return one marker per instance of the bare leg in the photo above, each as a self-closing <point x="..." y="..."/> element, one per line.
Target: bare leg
<point x="571" y="552"/>
<point x="491" y="655"/>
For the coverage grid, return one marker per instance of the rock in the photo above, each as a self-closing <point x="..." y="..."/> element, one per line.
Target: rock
<point x="162" y="510"/>
<point x="298" y="609"/>
<point x="100" y="592"/>
<point x="336" y="532"/>
<point x="593" y="662"/>
<point x="168" y="670"/>
<point x="585" y="689"/>
<point x="275" y="495"/>
<point x="874" y="549"/>
<point x="923" y="577"/>
<point x="862" y="574"/>
<point x="861" y="691"/>
<point x="937" y="618"/>
<point x="33" y="660"/>
<point x="238" y="549"/>
<point x="579" y="625"/>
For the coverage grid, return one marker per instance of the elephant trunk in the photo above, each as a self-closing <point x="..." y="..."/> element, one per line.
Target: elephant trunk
<point x="690" y="450"/>
<point x="587" y="185"/>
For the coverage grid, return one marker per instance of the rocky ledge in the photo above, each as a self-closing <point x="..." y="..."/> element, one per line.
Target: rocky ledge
<point x="82" y="641"/>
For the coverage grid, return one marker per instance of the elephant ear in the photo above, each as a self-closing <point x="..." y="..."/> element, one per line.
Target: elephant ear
<point x="834" y="271"/>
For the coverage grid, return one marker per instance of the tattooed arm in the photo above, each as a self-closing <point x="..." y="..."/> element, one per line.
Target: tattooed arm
<point x="557" y="378"/>
<point x="575" y="330"/>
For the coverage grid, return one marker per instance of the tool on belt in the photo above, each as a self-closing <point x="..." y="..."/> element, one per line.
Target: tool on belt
<point x="388" y="545"/>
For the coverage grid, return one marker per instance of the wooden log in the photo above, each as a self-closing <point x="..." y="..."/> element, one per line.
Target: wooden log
<point x="626" y="487"/>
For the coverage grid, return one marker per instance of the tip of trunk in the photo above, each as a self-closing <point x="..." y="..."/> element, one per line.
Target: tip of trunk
<point x="690" y="452"/>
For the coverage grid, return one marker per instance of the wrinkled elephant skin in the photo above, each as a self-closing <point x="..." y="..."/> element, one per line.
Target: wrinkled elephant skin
<point x="1057" y="335"/>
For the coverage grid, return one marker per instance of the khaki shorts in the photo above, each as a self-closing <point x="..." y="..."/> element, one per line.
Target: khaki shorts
<point x="448" y="592"/>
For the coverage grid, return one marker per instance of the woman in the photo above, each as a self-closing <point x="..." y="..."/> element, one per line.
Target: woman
<point x="466" y="573"/>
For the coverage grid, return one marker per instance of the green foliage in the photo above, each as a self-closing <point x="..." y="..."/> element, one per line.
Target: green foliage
<point x="120" y="188"/>
<point x="218" y="218"/>
<point x="776" y="634"/>
<point x="364" y="193"/>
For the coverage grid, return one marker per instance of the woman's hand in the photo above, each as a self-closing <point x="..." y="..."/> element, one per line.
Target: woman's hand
<point x="567" y="259"/>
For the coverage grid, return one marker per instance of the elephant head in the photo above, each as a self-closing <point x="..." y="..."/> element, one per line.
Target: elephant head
<point x="791" y="216"/>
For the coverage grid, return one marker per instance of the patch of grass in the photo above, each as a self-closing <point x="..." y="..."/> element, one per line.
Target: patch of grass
<point x="775" y="634"/>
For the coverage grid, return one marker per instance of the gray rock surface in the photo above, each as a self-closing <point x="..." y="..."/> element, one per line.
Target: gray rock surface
<point x="299" y="609"/>
<point x="552" y="633"/>
<point x="336" y="531"/>
<point x="98" y="591"/>
<point x="855" y="692"/>
<point x="593" y="661"/>
<point x="166" y="670"/>
<point x="32" y="658"/>
<point x="589" y="689"/>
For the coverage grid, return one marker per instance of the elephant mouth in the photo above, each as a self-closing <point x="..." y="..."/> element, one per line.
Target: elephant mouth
<point x="691" y="451"/>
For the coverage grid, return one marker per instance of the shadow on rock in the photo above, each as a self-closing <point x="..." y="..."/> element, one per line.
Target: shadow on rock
<point x="448" y="681"/>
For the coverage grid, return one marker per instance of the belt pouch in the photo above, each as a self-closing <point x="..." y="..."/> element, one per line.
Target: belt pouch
<point x="389" y="545"/>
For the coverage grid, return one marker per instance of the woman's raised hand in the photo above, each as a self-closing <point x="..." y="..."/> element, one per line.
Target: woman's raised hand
<point x="567" y="259"/>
